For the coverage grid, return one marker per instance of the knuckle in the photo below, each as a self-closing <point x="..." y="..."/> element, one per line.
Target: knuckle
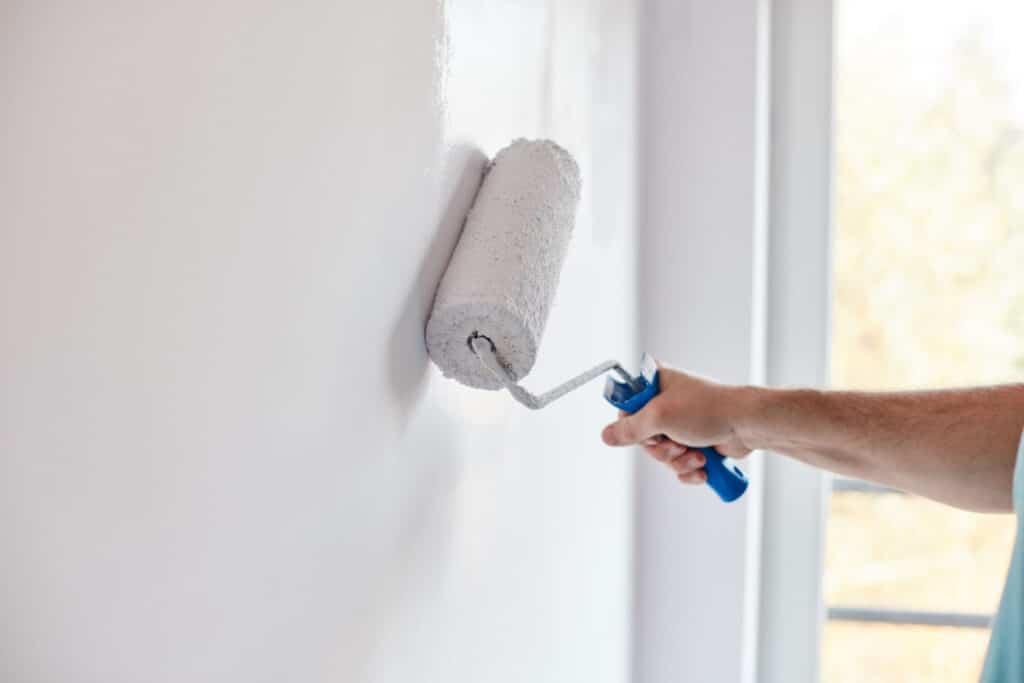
<point x="674" y="452"/>
<point x="684" y="466"/>
<point x="656" y="411"/>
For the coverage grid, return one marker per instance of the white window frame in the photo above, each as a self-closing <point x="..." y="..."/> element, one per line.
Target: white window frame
<point x="702" y="198"/>
<point x="799" y="285"/>
<point x="798" y="331"/>
<point x="736" y="209"/>
<point x="735" y="202"/>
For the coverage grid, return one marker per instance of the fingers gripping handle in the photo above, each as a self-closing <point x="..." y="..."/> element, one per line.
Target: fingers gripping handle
<point x="727" y="480"/>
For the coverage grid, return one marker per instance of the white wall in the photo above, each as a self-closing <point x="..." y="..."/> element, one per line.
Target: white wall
<point x="223" y="453"/>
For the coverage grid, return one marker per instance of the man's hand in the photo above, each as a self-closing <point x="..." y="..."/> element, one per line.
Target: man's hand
<point x="956" y="446"/>
<point x="688" y="412"/>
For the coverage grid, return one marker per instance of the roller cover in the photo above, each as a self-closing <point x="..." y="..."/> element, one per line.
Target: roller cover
<point x="503" y="273"/>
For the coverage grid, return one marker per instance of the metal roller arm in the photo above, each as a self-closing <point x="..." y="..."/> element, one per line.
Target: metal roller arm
<point x="484" y="349"/>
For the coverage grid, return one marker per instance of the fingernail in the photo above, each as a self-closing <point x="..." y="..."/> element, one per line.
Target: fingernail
<point x="675" y="451"/>
<point x="653" y="441"/>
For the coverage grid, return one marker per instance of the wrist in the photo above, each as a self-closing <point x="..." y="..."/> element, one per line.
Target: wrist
<point x="761" y="415"/>
<point x="747" y="405"/>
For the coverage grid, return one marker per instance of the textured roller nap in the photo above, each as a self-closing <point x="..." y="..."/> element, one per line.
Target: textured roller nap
<point x="503" y="273"/>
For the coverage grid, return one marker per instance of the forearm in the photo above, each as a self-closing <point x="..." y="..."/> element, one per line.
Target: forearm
<point x="955" y="446"/>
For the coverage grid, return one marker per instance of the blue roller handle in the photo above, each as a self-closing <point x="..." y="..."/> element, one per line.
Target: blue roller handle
<point x="727" y="480"/>
<point x="724" y="478"/>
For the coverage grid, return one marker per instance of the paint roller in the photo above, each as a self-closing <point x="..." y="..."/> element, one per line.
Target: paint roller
<point x="494" y="299"/>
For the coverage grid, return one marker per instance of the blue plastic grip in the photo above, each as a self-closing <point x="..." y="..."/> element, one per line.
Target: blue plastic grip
<point x="727" y="480"/>
<point x="724" y="478"/>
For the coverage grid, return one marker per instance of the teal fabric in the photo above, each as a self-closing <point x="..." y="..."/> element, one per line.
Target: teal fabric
<point x="1005" y="660"/>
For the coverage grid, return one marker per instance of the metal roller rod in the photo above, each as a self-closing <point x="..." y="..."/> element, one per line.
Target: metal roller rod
<point x="485" y="351"/>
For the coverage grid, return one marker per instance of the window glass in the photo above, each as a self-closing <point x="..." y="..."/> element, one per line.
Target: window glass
<point x="877" y="653"/>
<point x="929" y="292"/>
<point x="905" y="552"/>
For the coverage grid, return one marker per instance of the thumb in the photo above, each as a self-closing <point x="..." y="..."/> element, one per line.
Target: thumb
<point x="635" y="428"/>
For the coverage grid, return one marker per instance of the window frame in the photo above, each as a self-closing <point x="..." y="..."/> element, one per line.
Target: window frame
<point x="798" y="331"/>
<point x="897" y="615"/>
<point x="799" y="310"/>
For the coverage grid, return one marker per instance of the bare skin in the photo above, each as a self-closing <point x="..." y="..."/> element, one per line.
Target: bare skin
<point x="956" y="446"/>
